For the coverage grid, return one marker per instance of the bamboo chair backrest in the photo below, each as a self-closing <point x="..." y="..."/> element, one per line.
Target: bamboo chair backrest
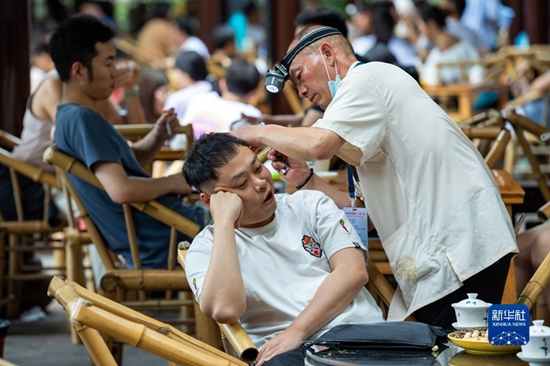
<point x="176" y="222"/>
<point x="32" y="172"/>
<point x="90" y="313"/>
<point x="8" y="141"/>
<point x="234" y="336"/>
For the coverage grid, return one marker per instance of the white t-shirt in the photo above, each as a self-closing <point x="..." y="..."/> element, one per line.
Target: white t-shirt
<point x="210" y="113"/>
<point x="284" y="262"/>
<point x="428" y="191"/>
<point x="180" y="100"/>
<point x="404" y="52"/>
<point x="194" y="43"/>
<point x="456" y="28"/>
<point x="461" y="51"/>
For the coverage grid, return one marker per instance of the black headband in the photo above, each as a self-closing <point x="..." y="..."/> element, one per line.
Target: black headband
<point x="275" y="79"/>
<point x="309" y="38"/>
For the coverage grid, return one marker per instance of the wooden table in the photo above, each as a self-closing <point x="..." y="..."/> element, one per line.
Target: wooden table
<point x="466" y="95"/>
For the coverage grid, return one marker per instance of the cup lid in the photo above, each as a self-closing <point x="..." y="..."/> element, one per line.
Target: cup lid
<point x="472" y="302"/>
<point x="538" y="329"/>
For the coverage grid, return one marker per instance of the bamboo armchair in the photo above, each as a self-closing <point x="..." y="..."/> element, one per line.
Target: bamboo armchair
<point x="18" y="232"/>
<point x="91" y="314"/>
<point x="123" y="283"/>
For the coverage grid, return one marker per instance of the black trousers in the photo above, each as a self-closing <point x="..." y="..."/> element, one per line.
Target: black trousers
<point x="488" y="284"/>
<point x="293" y="357"/>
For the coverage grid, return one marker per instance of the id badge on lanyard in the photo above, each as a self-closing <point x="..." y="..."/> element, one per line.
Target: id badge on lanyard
<point x="357" y="216"/>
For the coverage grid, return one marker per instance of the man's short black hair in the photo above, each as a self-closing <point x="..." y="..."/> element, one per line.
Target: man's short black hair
<point x="322" y="16"/>
<point x="222" y="36"/>
<point x="241" y="77"/>
<point x="74" y="41"/>
<point x="207" y="155"/>
<point x="193" y="64"/>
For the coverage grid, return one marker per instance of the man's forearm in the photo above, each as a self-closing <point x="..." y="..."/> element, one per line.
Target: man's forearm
<point x="223" y="296"/>
<point x="333" y="296"/>
<point x="147" y="148"/>
<point x="305" y="143"/>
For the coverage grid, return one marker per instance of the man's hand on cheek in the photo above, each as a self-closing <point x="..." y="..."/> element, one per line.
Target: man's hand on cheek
<point x="226" y="206"/>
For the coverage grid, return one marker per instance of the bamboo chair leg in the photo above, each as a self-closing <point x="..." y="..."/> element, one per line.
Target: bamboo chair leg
<point x="13" y="286"/>
<point x="98" y="350"/>
<point x="74" y="268"/>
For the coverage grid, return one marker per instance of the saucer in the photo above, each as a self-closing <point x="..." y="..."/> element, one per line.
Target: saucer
<point x="461" y="327"/>
<point x="533" y="361"/>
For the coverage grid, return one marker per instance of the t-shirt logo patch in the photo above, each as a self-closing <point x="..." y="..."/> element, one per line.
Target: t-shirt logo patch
<point x="344" y="226"/>
<point x="311" y="246"/>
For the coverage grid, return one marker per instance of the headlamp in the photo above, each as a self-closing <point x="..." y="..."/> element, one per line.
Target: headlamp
<point x="275" y="79"/>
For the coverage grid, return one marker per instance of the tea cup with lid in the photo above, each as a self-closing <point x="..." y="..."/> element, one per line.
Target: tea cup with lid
<point x="471" y="312"/>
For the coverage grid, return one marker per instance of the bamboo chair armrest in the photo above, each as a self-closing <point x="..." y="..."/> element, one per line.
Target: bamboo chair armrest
<point x="144" y="279"/>
<point x="240" y="341"/>
<point x="135" y="130"/>
<point x="32" y="172"/>
<point x="8" y="141"/>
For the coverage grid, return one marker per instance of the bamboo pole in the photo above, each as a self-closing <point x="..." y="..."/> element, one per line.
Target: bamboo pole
<point x="95" y="344"/>
<point x="536" y="285"/>
<point x="148" y="279"/>
<point x="498" y="148"/>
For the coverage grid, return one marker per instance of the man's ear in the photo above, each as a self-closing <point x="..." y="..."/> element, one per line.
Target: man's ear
<point x="205" y="198"/>
<point x="79" y="71"/>
<point x="328" y="53"/>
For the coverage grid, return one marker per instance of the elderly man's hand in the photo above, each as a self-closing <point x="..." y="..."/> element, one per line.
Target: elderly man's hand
<point x="250" y="135"/>
<point x="297" y="172"/>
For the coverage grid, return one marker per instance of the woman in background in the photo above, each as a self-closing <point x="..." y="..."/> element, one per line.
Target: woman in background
<point x="154" y="89"/>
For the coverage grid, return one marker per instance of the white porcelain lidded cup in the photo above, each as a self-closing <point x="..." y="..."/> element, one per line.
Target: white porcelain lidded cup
<point x="539" y="341"/>
<point x="471" y="312"/>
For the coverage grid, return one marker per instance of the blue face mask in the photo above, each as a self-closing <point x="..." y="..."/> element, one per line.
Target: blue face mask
<point x="332" y="84"/>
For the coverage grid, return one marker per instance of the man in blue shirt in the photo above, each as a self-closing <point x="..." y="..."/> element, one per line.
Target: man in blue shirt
<point x="83" y="52"/>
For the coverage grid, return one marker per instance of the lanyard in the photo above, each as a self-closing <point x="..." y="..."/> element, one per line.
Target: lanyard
<point x="352" y="173"/>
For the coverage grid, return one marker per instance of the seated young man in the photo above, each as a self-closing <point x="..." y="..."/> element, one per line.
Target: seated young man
<point x="83" y="52"/>
<point x="288" y="267"/>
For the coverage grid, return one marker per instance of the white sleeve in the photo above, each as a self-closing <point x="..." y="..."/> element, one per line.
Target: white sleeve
<point x="358" y="112"/>
<point x="197" y="261"/>
<point x="334" y="230"/>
